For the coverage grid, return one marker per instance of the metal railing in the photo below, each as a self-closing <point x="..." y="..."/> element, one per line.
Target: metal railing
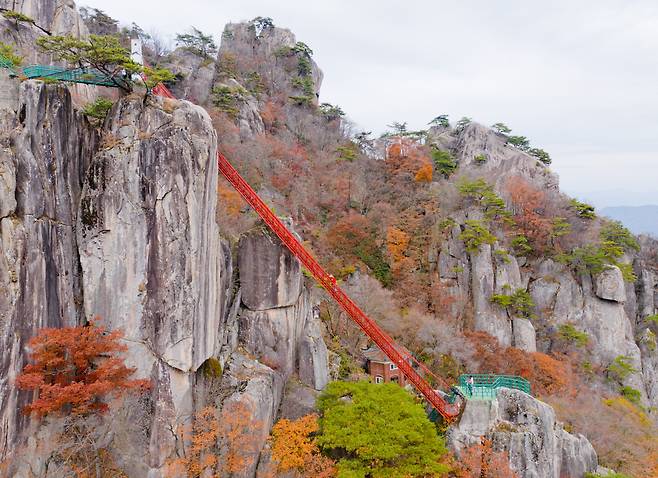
<point x="485" y="385"/>
<point x="89" y="76"/>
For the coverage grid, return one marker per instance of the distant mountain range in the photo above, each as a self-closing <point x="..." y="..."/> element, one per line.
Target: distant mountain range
<point x="639" y="219"/>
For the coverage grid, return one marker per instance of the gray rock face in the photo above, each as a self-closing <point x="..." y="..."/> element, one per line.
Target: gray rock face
<point x="524" y="335"/>
<point x="198" y="75"/>
<point x="610" y="285"/>
<point x="279" y="325"/>
<point x="270" y="276"/>
<point x="87" y="233"/>
<point x="257" y="389"/>
<point x="526" y="428"/>
<point x="149" y="243"/>
<point x="313" y="359"/>
<point x="494" y="322"/>
<point x="273" y="335"/>
<point x="503" y="160"/>
<point x="56" y="16"/>
<point x="59" y="17"/>
<point x="40" y="188"/>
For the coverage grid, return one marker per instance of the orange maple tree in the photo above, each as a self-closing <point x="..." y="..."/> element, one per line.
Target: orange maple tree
<point x="481" y="461"/>
<point x="73" y="369"/>
<point x="424" y="174"/>
<point x="295" y="448"/>
<point x="547" y="374"/>
<point x="201" y="435"/>
<point x="397" y="242"/>
<point x="529" y="204"/>
<point x="238" y="430"/>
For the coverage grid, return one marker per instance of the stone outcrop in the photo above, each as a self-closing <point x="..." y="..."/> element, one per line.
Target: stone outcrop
<point x="278" y="323"/>
<point x="195" y="75"/>
<point x="526" y="428"/>
<point x="46" y="149"/>
<point x="502" y="159"/>
<point x="272" y="277"/>
<point x="149" y="243"/>
<point x="83" y="234"/>
<point x="610" y="285"/>
<point x="598" y="305"/>
<point x="253" y="393"/>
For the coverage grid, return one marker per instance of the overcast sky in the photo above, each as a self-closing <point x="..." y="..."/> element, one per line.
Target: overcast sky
<point x="578" y="78"/>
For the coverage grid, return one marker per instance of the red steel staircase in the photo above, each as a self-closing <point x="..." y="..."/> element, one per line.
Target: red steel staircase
<point x="449" y="411"/>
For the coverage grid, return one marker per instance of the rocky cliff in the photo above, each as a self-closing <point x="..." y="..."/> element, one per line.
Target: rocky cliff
<point x="121" y="226"/>
<point x="118" y="222"/>
<point x="537" y="444"/>
<point x="610" y="310"/>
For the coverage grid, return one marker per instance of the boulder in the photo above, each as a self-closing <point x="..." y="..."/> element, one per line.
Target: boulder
<point x="270" y="276"/>
<point x="527" y="430"/>
<point x="610" y="285"/>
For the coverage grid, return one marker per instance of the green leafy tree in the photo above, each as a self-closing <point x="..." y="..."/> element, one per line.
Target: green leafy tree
<point x="520" y="142"/>
<point x="541" y="155"/>
<point x="303" y="49"/>
<point x="262" y="23"/>
<point x="620" y="368"/>
<point x="7" y="52"/>
<point x="559" y="228"/>
<point x="444" y="162"/>
<point x="331" y="112"/>
<point x="103" y="53"/>
<point x="98" y="22"/>
<point x="520" y="245"/>
<point x="16" y="17"/>
<point x="501" y="128"/>
<point x="155" y="76"/>
<point x="631" y="394"/>
<point x="98" y="109"/>
<point x="614" y="231"/>
<point x="482" y="193"/>
<point x="441" y="120"/>
<point x="197" y="42"/>
<point x="519" y="303"/>
<point x="584" y="210"/>
<point x="20" y="18"/>
<point x="462" y="123"/>
<point x="378" y="431"/>
<point x="569" y="333"/>
<point x="475" y="234"/>
<point x="227" y="99"/>
<point x="398" y="128"/>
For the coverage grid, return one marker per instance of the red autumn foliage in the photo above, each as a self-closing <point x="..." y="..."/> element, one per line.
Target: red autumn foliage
<point x="481" y="461"/>
<point x="424" y="174"/>
<point x="529" y="204"/>
<point x="350" y="233"/>
<point x="272" y="115"/>
<point x="546" y="374"/>
<point x="73" y="369"/>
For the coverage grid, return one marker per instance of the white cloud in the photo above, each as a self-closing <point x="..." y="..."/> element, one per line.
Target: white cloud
<point x="578" y="78"/>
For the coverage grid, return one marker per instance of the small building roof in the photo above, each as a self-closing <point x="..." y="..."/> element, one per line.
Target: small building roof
<point x="375" y="354"/>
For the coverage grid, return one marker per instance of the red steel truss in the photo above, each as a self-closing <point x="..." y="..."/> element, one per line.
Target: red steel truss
<point x="449" y="411"/>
